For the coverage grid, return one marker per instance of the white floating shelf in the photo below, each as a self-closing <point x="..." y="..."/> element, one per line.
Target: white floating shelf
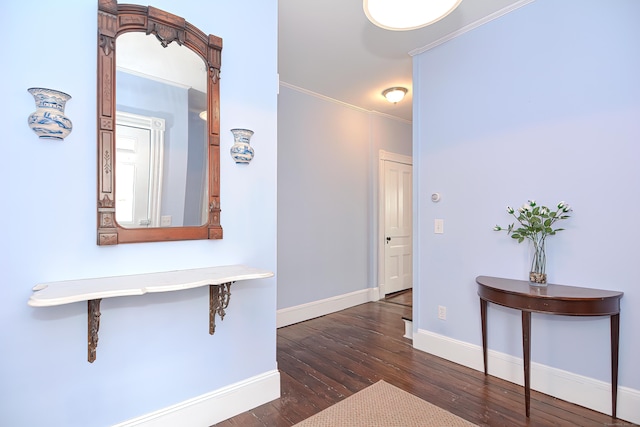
<point x="219" y="280"/>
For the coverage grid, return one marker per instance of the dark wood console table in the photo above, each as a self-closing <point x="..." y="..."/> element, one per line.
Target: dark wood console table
<point x="550" y="299"/>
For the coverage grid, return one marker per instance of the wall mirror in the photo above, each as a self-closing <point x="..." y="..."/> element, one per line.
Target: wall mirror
<point x="158" y="127"/>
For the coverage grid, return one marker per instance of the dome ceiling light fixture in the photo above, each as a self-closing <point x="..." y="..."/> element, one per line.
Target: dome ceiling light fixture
<point x="394" y="94"/>
<point x="404" y="15"/>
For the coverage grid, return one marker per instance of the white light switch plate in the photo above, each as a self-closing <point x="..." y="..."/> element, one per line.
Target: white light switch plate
<point x="438" y="226"/>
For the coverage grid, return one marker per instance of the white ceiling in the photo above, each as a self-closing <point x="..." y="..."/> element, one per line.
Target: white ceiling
<point x="329" y="47"/>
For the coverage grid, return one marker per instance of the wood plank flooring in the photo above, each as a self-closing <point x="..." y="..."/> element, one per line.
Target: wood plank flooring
<point x="325" y="360"/>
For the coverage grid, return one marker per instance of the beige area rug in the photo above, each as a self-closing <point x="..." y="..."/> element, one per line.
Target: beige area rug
<point x="383" y="405"/>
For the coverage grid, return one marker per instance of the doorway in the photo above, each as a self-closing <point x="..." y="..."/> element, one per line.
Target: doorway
<point x="395" y="266"/>
<point x="139" y="162"/>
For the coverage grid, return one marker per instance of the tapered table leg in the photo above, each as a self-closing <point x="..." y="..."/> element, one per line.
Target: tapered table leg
<point x="526" y="350"/>
<point x="615" y="342"/>
<point x="483" y="317"/>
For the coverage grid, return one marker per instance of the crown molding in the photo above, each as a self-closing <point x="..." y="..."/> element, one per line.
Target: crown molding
<point x="344" y="104"/>
<point x="471" y="26"/>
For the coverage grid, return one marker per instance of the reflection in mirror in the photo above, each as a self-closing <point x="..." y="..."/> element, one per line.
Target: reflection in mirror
<point x="161" y="142"/>
<point x="158" y="127"/>
<point x="140" y="163"/>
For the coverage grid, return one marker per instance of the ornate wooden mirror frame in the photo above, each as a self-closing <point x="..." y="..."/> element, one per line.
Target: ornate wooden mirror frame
<point x="116" y="19"/>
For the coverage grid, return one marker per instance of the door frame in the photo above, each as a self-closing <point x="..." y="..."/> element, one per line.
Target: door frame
<point x="156" y="128"/>
<point x="385" y="156"/>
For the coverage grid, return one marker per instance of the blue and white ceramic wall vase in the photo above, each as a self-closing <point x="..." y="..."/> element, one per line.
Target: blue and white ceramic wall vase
<point x="241" y="151"/>
<point x="49" y="121"/>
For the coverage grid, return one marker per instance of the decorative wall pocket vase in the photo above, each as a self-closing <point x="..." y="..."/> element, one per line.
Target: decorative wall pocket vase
<point x="241" y="151"/>
<point x="49" y="121"/>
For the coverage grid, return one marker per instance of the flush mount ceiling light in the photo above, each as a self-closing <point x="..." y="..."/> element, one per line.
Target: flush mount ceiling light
<point x="394" y="94"/>
<point x="403" y="15"/>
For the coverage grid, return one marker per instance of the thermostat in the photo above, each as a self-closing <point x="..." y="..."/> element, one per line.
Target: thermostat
<point x="435" y="197"/>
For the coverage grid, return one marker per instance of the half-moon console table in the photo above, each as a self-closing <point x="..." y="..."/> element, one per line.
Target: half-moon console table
<point x="219" y="280"/>
<point x="550" y="299"/>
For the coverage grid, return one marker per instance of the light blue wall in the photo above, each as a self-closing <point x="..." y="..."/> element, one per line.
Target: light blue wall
<point x="154" y="350"/>
<point x="542" y="103"/>
<point x="327" y="195"/>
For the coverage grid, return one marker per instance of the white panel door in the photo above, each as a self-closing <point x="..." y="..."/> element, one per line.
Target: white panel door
<point x="398" y="227"/>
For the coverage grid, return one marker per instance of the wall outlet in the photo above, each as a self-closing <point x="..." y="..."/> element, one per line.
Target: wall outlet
<point x="442" y="312"/>
<point x="165" y="221"/>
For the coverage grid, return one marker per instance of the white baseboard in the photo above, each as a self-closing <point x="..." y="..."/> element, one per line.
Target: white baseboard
<point x="574" y="388"/>
<point x="216" y="406"/>
<point x="408" y="329"/>
<point x="300" y="313"/>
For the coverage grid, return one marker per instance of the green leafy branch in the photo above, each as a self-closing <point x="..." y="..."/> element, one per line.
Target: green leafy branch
<point x="536" y="222"/>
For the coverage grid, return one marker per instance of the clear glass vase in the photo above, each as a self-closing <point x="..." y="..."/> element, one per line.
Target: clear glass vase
<point x="537" y="274"/>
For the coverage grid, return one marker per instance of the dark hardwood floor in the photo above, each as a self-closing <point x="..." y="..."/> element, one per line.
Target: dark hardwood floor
<point x="402" y="298"/>
<point x="325" y="360"/>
